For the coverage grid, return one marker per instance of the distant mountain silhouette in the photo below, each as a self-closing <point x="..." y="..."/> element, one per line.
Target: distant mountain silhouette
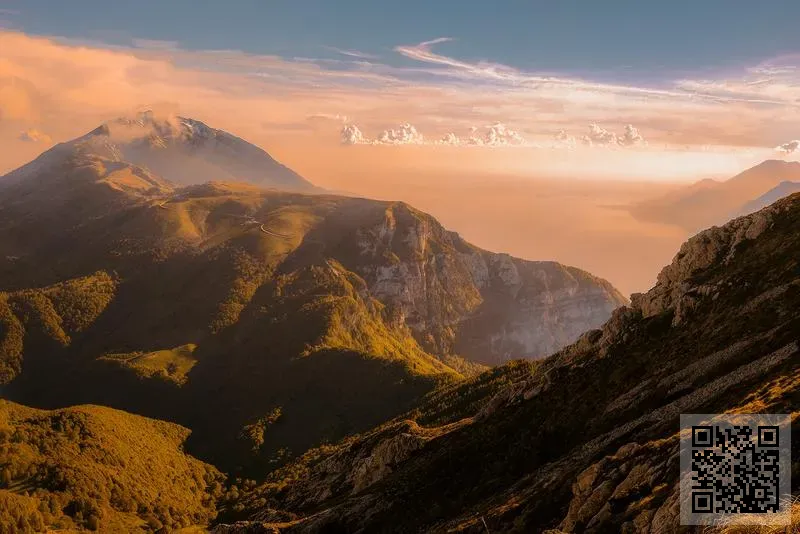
<point x="783" y="189"/>
<point x="710" y="202"/>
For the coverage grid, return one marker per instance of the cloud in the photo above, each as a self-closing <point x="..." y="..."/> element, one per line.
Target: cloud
<point x="33" y="135"/>
<point x="351" y="53"/>
<point x="67" y="87"/>
<point x="564" y="140"/>
<point x="156" y="44"/>
<point x="789" y="148"/>
<point x="457" y="68"/>
<point x="351" y="135"/>
<point x="599" y="136"/>
<point x="497" y="134"/>
<point x="328" y="117"/>
<point x="406" y="134"/>
<point x="449" y="139"/>
<point x="631" y="137"/>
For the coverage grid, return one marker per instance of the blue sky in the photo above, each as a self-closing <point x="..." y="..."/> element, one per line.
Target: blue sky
<point x="611" y="40"/>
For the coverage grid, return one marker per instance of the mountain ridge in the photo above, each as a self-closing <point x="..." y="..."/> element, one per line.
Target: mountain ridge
<point x="220" y="305"/>
<point x="711" y="202"/>
<point x="587" y="439"/>
<point x="781" y="190"/>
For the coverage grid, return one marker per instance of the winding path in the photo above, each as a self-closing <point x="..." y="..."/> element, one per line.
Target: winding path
<point x="270" y="232"/>
<point x="249" y="219"/>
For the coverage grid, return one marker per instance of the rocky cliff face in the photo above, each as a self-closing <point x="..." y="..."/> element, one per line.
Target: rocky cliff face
<point x="458" y="299"/>
<point x="587" y="439"/>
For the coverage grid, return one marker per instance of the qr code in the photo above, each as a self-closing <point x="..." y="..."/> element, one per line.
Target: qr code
<point x="733" y="465"/>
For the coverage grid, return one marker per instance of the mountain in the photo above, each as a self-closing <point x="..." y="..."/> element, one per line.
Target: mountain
<point x="783" y="189"/>
<point x="94" y="468"/>
<point x="267" y="322"/>
<point x="710" y="202"/>
<point x="181" y="150"/>
<point x="587" y="439"/>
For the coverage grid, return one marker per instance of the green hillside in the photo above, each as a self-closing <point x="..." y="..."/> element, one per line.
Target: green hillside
<point x="95" y="468"/>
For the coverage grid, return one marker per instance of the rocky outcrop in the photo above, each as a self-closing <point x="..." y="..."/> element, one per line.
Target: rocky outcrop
<point x="384" y="457"/>
<point x="610" y="492"/>
<point x="459" y="299"/>
<point x="715" y="246"/>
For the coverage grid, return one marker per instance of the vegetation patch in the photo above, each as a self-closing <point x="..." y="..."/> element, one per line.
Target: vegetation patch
<point x="172" y="365"/>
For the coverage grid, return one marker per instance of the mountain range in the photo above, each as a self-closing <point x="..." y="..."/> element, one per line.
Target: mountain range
<point x="783" y="189"/>
<point x="227" y="307"/>
<point x="711" y="202"/>
<point x="177" y="353"/>
<point x="586" y="440"/>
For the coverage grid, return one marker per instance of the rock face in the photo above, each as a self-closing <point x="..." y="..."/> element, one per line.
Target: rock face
<point x="458" y="299"/>
<point x="586" y="442"/>
<point x="715" y="246"/>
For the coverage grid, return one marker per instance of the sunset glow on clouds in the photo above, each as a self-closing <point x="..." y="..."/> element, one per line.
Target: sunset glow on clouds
<point x="61" y="88"/>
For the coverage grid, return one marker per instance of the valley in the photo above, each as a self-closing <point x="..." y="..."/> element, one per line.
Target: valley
<point x="312" y="362"/>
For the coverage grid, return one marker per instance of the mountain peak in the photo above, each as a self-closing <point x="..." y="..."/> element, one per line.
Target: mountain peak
<point x="163" y="126"/>
<point x="182" y="150"/>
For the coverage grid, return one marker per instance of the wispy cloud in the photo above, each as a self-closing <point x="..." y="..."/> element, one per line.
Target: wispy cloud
<point x="351" y="53"/>
<point x="156" y="44"/>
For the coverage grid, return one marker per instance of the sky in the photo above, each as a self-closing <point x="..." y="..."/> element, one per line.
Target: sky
<point x="659" y="90"/>
<point x="515" y="122"/>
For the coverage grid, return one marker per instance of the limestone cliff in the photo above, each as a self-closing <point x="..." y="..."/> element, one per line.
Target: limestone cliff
<point x="459" y="299"/>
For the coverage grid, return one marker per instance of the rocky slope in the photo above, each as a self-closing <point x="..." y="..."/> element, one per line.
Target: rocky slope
<point x="586" y="440"/>
<point x="242" y="313"/>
